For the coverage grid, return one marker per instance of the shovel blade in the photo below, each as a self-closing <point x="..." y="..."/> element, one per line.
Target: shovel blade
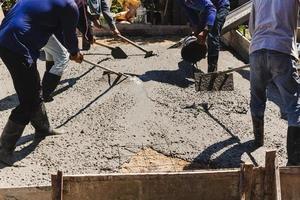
<point x="118" y="53"/>
<point x="149" y="54"/>
<point x="214" y="82"/>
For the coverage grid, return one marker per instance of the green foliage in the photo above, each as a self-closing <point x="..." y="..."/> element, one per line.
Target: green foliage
<point x="116" y="7"/>
<point x="8" y="4"/>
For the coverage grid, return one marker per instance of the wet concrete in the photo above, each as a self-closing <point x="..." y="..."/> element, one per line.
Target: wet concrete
<point x="107" y="124"/>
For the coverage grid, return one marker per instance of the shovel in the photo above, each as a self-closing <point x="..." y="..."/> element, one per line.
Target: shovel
<point x="116" y="52"/>
<point x="216" y="81"/>
<point x="148" y="53"/>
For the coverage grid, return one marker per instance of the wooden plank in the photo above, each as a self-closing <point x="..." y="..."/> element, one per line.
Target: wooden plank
<point x="26" y="193"/>
<point x="290" y="183"/>
<point x="57" y="186"/>
<point x="146" y="30"/>
<point x="272" y="187"/>
<point x="246" y="181"/>
<point x="237" y="17"/>
<point x="175" y="186"/>
<point x="238" y="42"/>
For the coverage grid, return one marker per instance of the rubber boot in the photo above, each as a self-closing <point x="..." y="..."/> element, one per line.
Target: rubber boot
<point x="10" y="135"/>
<point x="86" y="45"/>
<point x="258" y="130"/>
<point x="41" y="124"/>
<point x="293" y="146"/>
<point x="49" y="84"/>
<point x="212" y="63"/>
<point x="49" y="65"/>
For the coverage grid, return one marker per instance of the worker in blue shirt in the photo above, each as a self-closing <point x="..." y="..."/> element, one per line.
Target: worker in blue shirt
<point x="207" y="18"/>
<point x="23" y="32"/>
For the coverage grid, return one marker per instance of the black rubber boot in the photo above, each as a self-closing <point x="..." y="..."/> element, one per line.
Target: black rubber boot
<point x="41" y="124"/>
<point x="10" y="135"/>
<point x="86" y="45"/>
<point x="212" y="63"/>
<point x="258" y="130"/>
<point x="49" y="65"/>
<point x="49" y="83"/>
<point x="293" y="146"/>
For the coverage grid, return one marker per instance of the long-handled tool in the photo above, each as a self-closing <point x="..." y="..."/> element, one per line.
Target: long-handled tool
<point x="148" y="53"/>
<point x="116" y="52"/>
<point x="215" y="81"/>
<point x="105" y="68"/>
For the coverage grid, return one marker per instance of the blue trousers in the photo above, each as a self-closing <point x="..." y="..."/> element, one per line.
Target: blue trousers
<point x="267" y="66"/>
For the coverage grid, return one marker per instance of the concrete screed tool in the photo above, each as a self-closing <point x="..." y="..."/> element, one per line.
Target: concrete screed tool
<point x="116" y="52"/>
<point x="148" y="53"/>
<point x="216" y="81"/>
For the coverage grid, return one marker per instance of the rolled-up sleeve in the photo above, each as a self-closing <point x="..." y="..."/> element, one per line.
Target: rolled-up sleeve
<point x="211" y="13"/>
<point x="69" y="20"/>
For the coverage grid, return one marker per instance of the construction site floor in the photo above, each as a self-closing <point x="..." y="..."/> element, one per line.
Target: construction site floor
<point x="157" y="113"/>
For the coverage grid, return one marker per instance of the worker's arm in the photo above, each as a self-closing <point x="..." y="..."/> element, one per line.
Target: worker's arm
<point x="108" y="17"/>
<point x="252" y="20"/>
<point x="69" y="19"/>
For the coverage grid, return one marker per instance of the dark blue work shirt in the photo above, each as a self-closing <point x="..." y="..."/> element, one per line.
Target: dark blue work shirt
<point x="30" y="23"/>
<point x="206" y="8"/>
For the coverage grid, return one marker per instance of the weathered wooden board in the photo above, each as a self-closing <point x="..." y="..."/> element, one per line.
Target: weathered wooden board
<point x="175" y="186"/>
<point x="26" y="193"/>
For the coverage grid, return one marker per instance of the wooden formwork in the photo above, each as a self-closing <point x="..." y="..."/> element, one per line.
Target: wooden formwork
<point x="247" y="183"/>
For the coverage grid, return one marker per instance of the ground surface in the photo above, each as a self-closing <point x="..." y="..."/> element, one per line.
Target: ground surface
<point x="158" y="111"/>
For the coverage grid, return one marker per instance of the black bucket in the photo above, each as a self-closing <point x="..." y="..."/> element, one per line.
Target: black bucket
<point x="192" y="51"/>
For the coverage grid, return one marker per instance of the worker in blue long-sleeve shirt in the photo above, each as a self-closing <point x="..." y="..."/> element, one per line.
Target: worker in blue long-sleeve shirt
<point x="207" y="18"/>
<point x="23" y="32"/>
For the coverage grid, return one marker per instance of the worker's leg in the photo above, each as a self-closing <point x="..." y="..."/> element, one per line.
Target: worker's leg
<point x="26" y="81"/>
<point x="282" y="71"/>
<point x="49" y="60"/>
<point x="56" y="52"/>
<point x="213" y="40"/>
<point x="259" y="79"/>
<point x="84" y="26"/>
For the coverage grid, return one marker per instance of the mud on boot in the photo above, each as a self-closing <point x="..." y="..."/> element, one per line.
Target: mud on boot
<point x="293" y="146"/>
<point x="10" y="135"/>
<point x="258" y="130"/>
<point x="41" y="124"/>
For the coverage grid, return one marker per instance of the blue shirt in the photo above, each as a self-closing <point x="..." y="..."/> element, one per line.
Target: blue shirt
<point x="30" y="23"/>
<point x="273" y="26"/>
<point x="206" y="8"/>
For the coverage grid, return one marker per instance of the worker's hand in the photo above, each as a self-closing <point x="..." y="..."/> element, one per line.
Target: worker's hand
<point x="202" y="37"/>
<point x="78" y="57"/>
<point x="115" y="32"/>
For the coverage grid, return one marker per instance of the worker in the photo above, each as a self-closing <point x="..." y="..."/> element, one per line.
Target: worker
<point x="273" y="57"/>
<point x="57" y="56"/>
<point x="96" y="7"/>
<point x="207" y="18"/>
<point x="129" y="10"/>
<point x="23" y="32"/>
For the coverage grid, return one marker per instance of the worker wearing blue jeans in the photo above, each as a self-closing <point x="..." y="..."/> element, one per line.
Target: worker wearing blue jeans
<point x="207" y="18"/>
<point x="273" y="56"/>
<point x="23" y="32"/>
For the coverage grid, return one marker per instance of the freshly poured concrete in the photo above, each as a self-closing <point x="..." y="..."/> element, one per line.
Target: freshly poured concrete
<point x="160" y="109"/>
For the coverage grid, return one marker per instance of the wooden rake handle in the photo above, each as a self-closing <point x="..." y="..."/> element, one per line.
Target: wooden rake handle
<point x="105" y="68"/>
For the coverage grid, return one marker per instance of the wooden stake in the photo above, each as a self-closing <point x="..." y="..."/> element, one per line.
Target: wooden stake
<point x="57" y="186"/>
<point x="272" y="188"/>
<point x="246" y="180"/>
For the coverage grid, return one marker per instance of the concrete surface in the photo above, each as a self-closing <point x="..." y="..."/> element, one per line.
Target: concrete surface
<point x="160" y="109"/>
